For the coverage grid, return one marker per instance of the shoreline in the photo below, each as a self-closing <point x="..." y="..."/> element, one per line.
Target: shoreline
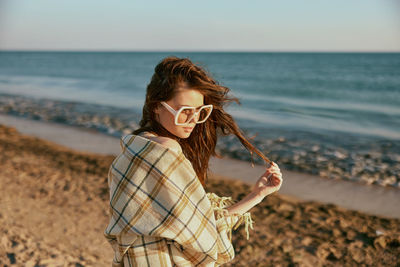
<point x="296" y="186"/>
<point x="329" y="154"/>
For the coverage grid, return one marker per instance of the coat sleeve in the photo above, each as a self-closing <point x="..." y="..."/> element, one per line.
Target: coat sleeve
<point x="225" y="223"/>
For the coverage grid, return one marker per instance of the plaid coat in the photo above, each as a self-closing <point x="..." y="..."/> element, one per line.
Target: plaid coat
<point x="160" y="214"/>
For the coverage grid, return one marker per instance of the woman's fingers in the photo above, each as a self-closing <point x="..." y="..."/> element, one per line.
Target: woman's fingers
<point x="277" y="179"/>
<point x="273" y="165"/>
<point x="272" y="179"/>
<point x="274" y="172"/>
<point x="273" y="169"/>
<point x="274" y="176"/>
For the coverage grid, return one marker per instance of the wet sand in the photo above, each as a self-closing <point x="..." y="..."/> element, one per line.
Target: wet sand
<point x="298" y="186"/>
<point x="54" y="211"/>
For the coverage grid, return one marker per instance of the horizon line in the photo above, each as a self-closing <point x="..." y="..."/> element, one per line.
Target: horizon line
<point x="198" y="51"/>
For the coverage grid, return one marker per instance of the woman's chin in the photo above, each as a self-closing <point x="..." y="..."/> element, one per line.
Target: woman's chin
<point x="185" y="134"/>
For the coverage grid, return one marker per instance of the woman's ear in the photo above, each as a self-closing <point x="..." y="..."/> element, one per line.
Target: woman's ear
<point x="157" y="109"/>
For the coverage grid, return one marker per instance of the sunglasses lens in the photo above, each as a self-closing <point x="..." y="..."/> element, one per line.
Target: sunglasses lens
<point x="187" y="114"/>
<point x="204" y="114"/>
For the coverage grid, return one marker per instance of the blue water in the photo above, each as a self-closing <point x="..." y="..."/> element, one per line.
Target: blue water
<point x="353" y="93"/>
<point x="332" y="114"/>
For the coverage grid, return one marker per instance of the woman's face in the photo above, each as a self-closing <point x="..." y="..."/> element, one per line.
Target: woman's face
<point x="184" y="97"/>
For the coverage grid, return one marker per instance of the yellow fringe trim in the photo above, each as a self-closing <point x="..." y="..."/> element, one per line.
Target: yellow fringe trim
<point x="220" y="203"/>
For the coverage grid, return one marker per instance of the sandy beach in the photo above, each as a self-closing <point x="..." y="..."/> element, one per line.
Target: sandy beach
<point x="54" y="207"/>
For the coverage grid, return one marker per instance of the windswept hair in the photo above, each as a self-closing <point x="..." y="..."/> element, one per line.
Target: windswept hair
<point x="173" y="72"/>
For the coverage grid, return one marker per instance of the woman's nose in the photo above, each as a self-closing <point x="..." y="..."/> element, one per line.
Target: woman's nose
<point x="195" y="118"/>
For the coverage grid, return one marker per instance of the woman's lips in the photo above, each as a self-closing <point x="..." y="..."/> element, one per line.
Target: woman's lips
<point x="187" y="128"/>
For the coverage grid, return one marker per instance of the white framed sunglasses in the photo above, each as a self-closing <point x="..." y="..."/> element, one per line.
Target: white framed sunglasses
<point x="185" y="114"/>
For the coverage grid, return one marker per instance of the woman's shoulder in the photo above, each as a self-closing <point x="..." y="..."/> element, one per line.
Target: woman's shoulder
<point x="164" y="141"/>
<point x="168" y="142"/>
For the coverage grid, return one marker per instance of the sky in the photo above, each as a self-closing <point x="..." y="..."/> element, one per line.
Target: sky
<point x="218" y="25"/>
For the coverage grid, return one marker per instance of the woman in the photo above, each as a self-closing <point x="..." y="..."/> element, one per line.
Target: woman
<point x="160" y="212"/>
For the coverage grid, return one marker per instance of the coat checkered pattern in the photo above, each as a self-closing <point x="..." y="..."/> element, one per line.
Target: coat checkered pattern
<point x="160" y="214"/>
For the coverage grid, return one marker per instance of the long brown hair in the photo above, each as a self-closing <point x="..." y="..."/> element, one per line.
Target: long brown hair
<point x="168" y="75"/>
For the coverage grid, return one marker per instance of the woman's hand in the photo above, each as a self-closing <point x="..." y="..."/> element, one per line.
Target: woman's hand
<point x="269" y="182"/>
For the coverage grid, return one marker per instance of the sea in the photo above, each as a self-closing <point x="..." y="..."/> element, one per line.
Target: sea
<point x="336" y="115"/>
